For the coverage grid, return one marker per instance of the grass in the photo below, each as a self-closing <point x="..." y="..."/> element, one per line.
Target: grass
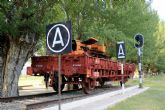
<point x="152" y="99"/>
<point x="25" y="80"/>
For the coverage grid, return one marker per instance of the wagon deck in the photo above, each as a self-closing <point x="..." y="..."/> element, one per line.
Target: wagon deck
<point x="80" y="69"/>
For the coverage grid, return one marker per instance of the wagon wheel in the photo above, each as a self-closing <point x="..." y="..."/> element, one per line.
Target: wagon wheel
<point x="46" y="79"/>
<point x="76" y="86"/>
<point x="88" y="86"/>
<point x="55" y="83"/>
<point x="101" y="82"/>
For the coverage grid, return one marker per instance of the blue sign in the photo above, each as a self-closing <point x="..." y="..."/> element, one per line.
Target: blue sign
<point x="120" y="49"/>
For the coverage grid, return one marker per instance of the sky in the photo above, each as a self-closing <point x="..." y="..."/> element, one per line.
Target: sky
<point x="159" y="5"/>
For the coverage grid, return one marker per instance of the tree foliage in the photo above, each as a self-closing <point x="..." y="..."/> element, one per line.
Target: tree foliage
<point x="19" y="17"/>
<point x="21" y="26"/>
<point x="160" y="47"/>
<point x="110" y="22"/>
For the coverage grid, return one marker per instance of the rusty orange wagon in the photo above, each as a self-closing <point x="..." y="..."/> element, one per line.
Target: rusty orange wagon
<point x="85" y="66"/>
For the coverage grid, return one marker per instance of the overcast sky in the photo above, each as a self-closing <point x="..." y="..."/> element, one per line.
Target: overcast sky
<point x="159" y="5"/>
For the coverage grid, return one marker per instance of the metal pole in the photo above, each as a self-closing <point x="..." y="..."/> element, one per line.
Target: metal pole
<point x="59" y="81"/>
<point x="140" y="69"/>
<point x="122" y="73"/>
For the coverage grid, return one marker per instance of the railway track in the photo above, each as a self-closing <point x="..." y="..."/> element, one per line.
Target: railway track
<point x="51" y="102"/>
<point x="67" y="99"/>
<point x="40" y="101"/>
<point x="10" y="99"/>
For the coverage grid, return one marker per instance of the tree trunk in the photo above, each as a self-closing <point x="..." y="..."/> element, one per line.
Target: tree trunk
<point x="11" y="63"/>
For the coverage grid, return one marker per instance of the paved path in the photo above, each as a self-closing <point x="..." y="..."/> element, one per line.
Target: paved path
<point x="100" y="102"/>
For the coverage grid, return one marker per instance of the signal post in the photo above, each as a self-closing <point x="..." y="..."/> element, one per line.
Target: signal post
<point x="59" y="41"/>
<point x="139" y="42"/>
<point x="121" y="54"/>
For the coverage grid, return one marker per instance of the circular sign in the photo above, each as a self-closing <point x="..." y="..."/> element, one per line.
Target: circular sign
<point x="58" y="38"/>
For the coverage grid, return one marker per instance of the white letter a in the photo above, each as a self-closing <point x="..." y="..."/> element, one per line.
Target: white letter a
<point x="58" y="32"/>
<point x="121" y="51"/>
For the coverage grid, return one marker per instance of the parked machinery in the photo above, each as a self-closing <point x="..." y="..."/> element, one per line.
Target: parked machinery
<point x="85" y="66"/>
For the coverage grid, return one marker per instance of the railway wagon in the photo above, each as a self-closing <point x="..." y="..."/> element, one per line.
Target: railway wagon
<point x="85" y="66"/>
